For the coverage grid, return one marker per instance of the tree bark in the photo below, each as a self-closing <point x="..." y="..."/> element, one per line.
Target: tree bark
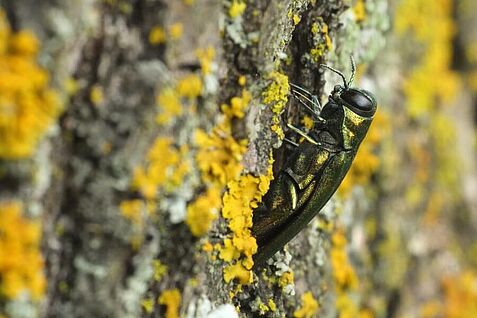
<point x="384" y="245"/>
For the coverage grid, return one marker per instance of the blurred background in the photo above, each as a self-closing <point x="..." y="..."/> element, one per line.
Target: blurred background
<point x="137" y="137"/>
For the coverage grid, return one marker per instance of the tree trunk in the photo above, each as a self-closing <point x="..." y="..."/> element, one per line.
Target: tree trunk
<point x="142" y="134"/>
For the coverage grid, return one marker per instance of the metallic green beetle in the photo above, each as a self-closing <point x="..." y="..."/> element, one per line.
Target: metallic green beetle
<point x="316" y="168"/>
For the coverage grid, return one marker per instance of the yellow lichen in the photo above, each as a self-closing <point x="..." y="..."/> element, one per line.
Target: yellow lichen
<point x="309" y="306"/>
<point x="24" y="43"/>
<point x="277" y="92"/>
<point x="171" y="298"/>
<point x="431" y="24"/>
<point x="169" y="104"/>
<point x="161" y="172"/>
<point x="206" y="57"/>
<point x="96" y="95"/>
<point x="157" y="35"/>
<point x="321" y="39"/>
<point x="27" y="105"/>
<point x="21" y="263"/>
<point x="307" y="122"/>
<point x="71" y="86"/>
<point x="219" y="154"/>
<point x="190" y="86"/>
<point x="276" y="95"/>
<point x="203" y="211"/>
<point x="344" y="276"/>
<point x="272" y="305"/>
<point x="133" y="210"/>
<point x="158" y="269"/>
<point x="237" y="105"/>
<point x="359" y="11"/>
<point x="242" y="196"/>
<point x="148" y="305"/>
<point x="239" y="272"/>
<point x="287" y="278"/>
<point x="296" y="19"/>
<point x="343" y="272"/>
<point x="242" y="80"/>
<point x="176" y="30"/>
<point x="237" y="8"/>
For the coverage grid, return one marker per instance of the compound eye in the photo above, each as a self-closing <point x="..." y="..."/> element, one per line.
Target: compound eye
<point x="358" y="99"/>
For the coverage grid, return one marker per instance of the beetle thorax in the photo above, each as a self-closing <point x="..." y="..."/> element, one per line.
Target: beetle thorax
<point x="354" y="128"/>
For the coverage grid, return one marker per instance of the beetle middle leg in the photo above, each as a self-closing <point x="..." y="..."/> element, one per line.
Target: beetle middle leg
<point x="303" y="134"/>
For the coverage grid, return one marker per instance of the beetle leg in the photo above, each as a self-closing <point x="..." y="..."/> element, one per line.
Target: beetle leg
<point x="303" y="134"/>
<point x="297" y="87"/>
<point x="291" y="142"/>
<point x="299" y="93"/>
<point x="313" y="99"/>
<point x="317" y="104"/>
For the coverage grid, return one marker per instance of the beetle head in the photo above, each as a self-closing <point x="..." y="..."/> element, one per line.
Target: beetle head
<point x="357" y="100"/>
<point x="357" y="107"/>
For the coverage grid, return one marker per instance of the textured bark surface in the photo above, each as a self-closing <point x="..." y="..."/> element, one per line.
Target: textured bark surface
<point x="392" y="244"/>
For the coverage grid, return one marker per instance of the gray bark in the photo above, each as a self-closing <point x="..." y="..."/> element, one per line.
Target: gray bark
<point x="93" y="270"/>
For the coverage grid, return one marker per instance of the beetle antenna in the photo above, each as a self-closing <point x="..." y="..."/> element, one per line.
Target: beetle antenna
<point x="353" y="70"/>
<point x="337" y="72"/>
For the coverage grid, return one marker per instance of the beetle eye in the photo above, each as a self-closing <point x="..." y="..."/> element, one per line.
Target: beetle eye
<point x="361" y="101"/>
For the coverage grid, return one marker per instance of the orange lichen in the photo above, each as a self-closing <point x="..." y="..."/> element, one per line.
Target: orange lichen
<point x="171" y="298"/>
<point x="21" y="263"/>
<point x="460" y="295"/>
<point x="27" y="105"/>
<point x="309" y="306"/>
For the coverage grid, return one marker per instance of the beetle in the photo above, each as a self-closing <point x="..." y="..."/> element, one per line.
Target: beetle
<point x="317" y="166"/>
